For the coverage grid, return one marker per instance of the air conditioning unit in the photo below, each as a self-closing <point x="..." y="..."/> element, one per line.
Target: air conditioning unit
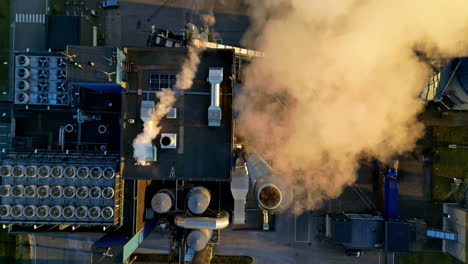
<point x="22" y="85"/>
<point x="30" y="210"/>
<point x="62" y="99"/>
<point x="55" y="211"/>
<point x="69" y="211"/>
<point x="61" y="62"/>
<point x="94" y="212"/>
<point x="70" y="171"/>
<point x="42" y="86"/>
<point x="42" y="211"/>
<point x="57" y="172"/>
<point x="43" y="62"/>
<point x="96" y="173"/>
<point x="17" y="210"/>
<point x="43" y="171"/>
<point x="5" y="210"/>
<point x="69" y="192"/>
<point x="5" y="170"/>
<point x="22" y="73"/>
<point x="43" y="74"/>
<point x="31" y="171"/>
<point x="81" y="212"/>
<point x="30" y="191"/>
<point x="61" y="74"/>
<point x="107" y="212"/>
<point x="108" y="173"/>
<point x="61" y="86"/>
<point x="95" y="192"/>
<point x="22" y="61"/>
<point x="21" y="98"/>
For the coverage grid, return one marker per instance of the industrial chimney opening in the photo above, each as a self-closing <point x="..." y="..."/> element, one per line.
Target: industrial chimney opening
<point x="166" y="141"/>
<point x="269" y="197"/>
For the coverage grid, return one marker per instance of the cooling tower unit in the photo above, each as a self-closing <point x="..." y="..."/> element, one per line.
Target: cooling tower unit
<point x="43" y="191"/>
<point x="162" y="201"/>
<point x="42" y="211"/>
<point x="70" y="172"/>
<point x="69" y="192"/>
<point x="5" y="170"/>
<point x="198" y="200"/>
<point x="82" y="192"/>
<point x="43" y="171"/>
<point x="94" y="212"/>
<point x="18" y="171"/>
<point x="197" y="239"/>
<point x="55" y="211"/>
<point x="21" y="98"/>
<point x="95" y="173"/>
<point x="215" y="77"/>
<point x="69" y="211"/>
<point x="31" y="171"/>
<point x="30" y="210"/>
<point x="83" y="172"/>
<point x="81" y="212"/>
<point x="22" y="61"/>
<point x="17" y="210"/>
<point x="95" y="192"/>
<point x="5" y="190"/>
<point x="22" y="73"/>
<point x="108" y="173"/>
<point x="107" y="212"/>
<point x="30" y="191"/>
<point x="57" y="172"/>
<point x="17" y="190"/>
<point x="22" y="85"/>
<point x="270" y="190"/>
<point x="5" y="210"/>
<point x="108" y="193"/>
<point x="168" y="140"/>
<point x="56" y="192"/>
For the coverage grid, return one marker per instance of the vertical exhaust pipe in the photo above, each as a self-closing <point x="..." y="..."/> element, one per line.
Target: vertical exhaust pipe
<point x="198" y="200"/>
<point x="162" y="201"/>
<point x="215" y="77"/>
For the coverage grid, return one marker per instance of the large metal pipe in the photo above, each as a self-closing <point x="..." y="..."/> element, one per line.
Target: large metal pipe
<point x="215" y="77"/>
<point x="270" y="190"/>
<point x="162" y="201"/>
<point x="197" y="239"/>
<point x="189" y="222"/>
<point x="198" y="200"/>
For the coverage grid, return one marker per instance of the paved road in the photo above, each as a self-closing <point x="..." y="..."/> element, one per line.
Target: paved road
<point x="29" y="25"/>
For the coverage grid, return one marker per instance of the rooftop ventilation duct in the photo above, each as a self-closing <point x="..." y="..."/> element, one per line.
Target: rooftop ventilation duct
<point x="56" y="192"/>
<point x="69" y="211"/>
<point x="215" y="77"/>
<point x="70" y="172"/>
<point x="108" y="193"/>
<point x="43" y="171"/>
<point x="21" y="98"/>
<point x="17" y="210"/>
<point x="55" y="211"/>
<point x="22" y="85"/>
<point x="239" y="190"/>
<point x="108" y="173"/>
<point x="198" y="222"/>
<point x="17" y="190"/>
<point x="83" y="172"/>
<point x="69" y="192"/>
<point x="43" y="191"/>
<point x="5" y="210"/>
<point x="42" y="211"/>
<point x="168" y="140"/>
<point x="31" y="171"/>
<point x="5" y="190"/>
<point x="162" y="201"/>
<point x="197" y="239"/>
<point x="22" y="61"/>
<point x="69" y="128"/>
<point x="270" y="191"/>
<point x="22" y="73"/>
<point x="107" y="212"/>
<point x="95" y="173"/>
<point x="18" y="171"/>
<point x="95" y="192"/>
<point x="146" y="110"/>
<point x="30" y="191"/>
<point x="30" y="210"/>
<point x="198" y="200"/>
<point x="82" y="192"/>
<point x="94" y="212"/>
<point x="5" y="170"/>
<point x="102" y="129"/>
<point x="57" y="172"/>
<point x="81" y="212"/>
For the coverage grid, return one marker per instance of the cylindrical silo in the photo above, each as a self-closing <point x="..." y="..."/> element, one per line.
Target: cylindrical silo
<point x="43" y="171"/>
<point x="69" y="211"/>
<point x="270" y="190"/>
<point x="42" y="211"/>
<point x="5" y="190"/>
<point x="56" y="191"/>
<point x="94" y="212"/>
<point x="95" y="173"/>
<point x="5" y="170"/>
<point x="17" y="190"/>
<point x="55" y="211"/>
<point x="95" y="192"/>
<point x="198" y="199"/>
<point x="70" y="171"/>
<point x="18" y="171"/>
<point x="30" y="190"/>
<point x="83" y="172"/>
<point x="57" y="172"/>
<point x="108" y="193"/>
<point x="5" y="209"/>
<point x="108" y="173"/>
<point x="107" y="212"/>
<point x="69" y="192"/>
<point x="162" y="201"/>
<point x="197" y="239"/>
<point x="31" y="171"/>
<point x="43" y="191"/>
<point x="82" y="192"/>
<point x="17" y="210"/>
<point x="30" y="210"/>
<point x="81" y="212"/>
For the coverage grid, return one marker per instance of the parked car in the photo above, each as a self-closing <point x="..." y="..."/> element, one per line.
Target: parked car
<point x="354" y="252"/>
<point x="110" y="4"/>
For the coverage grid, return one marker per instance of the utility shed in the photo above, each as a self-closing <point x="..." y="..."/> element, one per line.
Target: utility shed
<point x="68" y="30"/>
<point x="196" y="151"/>
<point x="457" y="222"/>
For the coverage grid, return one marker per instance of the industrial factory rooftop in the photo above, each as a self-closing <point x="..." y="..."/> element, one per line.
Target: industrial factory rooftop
<point x="202" y="152"/>
<point x="103" y="60"/>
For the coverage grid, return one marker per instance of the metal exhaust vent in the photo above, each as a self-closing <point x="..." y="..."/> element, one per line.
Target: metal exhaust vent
<point x="96" y="173"/>
<point x="5" y="210"/>
<point x="17" y="190"/>
<point x="57" y="172"/>
<point x="30" y="191"/>
<point x="108" y="173"/>
<point x="43" y="191"/>
<point x="30" y="210"/>
<point x="5" y="190"/>
<point x="31" y="171"/>
<point x="22" y="85"/>
<point x="215" y="77"/>
<point x="83" y="172"/>
<point x="107" y="212"/>
<point x="94" y="212"/>
<point x="82" y="192"/>
<point x="5" y="170"/>
<point x="168" y="140"/>
<point x="70" y="172"/>
<point x="69" y="128"/>
<point x="108" y="193"/>
<point x="69" y="211"/>
<point x="43" y="171"/>
<point x="81" y="212"/>
<point x="18" y="171"/>
<point x="17" y="210"/>
<point x="95" y="192"/>
<point x="22" y="61"/>
<point x="42" y="211"/>
<point x="69" y="192"/>
<point x="56" y="192"/>
<point x="55" y="211"/>
<point x="21" y="98"/>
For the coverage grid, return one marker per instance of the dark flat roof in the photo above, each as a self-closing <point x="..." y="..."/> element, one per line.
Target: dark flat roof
<point x="100" y="56"/>
<point x="203" y="153"/>
<point x="68" y="30"/>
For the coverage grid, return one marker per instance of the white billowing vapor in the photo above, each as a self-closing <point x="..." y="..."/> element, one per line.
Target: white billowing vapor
<point x="340" y="81"/>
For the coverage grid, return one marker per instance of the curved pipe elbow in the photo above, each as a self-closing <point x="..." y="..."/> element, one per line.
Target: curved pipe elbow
<point x="211" y="223"/>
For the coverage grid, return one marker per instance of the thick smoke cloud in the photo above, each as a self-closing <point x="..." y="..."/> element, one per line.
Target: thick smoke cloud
<point x="340" y="81"/>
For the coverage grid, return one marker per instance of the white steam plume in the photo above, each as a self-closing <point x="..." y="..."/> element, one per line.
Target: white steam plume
<point x="340" y="81"/>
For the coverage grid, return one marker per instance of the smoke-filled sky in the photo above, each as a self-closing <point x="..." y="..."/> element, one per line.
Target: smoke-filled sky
<point x="340" y="81"/>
